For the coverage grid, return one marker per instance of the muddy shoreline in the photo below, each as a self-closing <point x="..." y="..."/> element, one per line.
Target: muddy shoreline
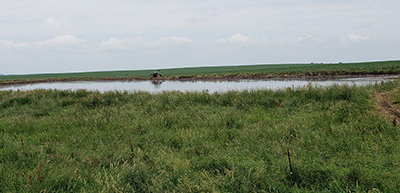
<point x="236" y="77"/>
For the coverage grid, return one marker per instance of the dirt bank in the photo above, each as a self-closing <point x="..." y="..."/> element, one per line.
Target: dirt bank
<point x="385" y="105"/>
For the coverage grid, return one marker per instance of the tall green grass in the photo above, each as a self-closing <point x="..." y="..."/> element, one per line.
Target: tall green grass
<point x="198" y="142"/>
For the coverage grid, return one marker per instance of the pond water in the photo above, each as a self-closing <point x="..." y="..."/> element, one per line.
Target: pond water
<point x="191" y="86"/>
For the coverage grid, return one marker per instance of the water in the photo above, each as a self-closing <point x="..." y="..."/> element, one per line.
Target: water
<point x="191" y="86"/>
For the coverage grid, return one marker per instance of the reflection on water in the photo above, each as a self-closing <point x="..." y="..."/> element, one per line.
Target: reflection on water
<point x="191" y="86"/>
<point x="156" y="83"/>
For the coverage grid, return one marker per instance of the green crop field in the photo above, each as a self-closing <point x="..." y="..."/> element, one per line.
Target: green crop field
<point x="81" y="141"/>
<point x="384" y="67"/>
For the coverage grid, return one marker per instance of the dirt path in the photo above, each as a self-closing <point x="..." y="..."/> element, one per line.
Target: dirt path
<point x="385" y="105"/>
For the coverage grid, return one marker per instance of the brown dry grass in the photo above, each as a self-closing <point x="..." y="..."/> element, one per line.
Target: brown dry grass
<point x="385" y="104"/>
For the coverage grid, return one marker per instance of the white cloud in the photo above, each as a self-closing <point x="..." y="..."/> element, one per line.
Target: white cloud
<point x="60" y="42"/>
<point x="114" y="43"/>
<point x="174" y="40"/>
<point x="354" y="37"/>
<point x="242" y="39"/>
<point x="64" y="41"/>
<point x="12" y="44"/>
<point x="357" y="37"/>
<point x="236" y="38"/>
<point x="302" y="38"/>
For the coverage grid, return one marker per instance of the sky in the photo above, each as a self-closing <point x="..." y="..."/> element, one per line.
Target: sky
<point x="54" y="36"/>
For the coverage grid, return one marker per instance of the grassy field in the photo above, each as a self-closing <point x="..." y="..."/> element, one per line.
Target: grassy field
<point x="79" y="141"/>
<point x="384" y="67"/>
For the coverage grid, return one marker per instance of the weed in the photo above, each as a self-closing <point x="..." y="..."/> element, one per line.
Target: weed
<point x="222" y="142"/>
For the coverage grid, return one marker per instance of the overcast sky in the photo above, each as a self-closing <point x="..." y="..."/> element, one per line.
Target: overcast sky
<point x="91" y="35"/>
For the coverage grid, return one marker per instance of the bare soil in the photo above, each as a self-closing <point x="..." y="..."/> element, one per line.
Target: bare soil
<point x="385" y="105"/>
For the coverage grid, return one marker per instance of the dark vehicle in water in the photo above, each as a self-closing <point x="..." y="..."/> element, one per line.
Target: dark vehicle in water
<point x="156" y="74"/>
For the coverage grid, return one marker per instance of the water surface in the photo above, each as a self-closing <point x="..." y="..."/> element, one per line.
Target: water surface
<point x="191" y="86"/>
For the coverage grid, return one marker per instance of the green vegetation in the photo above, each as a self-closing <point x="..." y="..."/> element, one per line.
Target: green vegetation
<point x="76" y="141"/>
<point x="385" y="67"/>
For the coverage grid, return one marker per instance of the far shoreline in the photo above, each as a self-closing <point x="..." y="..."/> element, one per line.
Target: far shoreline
<point x="224" y="73"/>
